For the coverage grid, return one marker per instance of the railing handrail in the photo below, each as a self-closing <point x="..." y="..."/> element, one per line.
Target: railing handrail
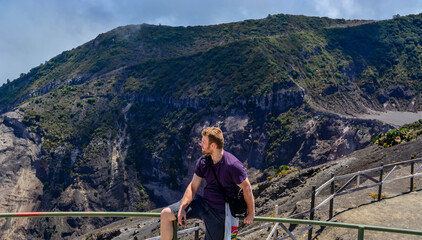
<point x="79" y="214"/>
<point x="324" y="185"/>
<point x="339" y="224"/>
<point x="360" y="227"/>
<point x="319" y="189"/>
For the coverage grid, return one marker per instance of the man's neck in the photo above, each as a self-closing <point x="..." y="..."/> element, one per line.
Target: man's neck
<point x="217" y="156"/>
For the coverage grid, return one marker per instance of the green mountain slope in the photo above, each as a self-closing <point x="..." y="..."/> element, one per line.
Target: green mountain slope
<point x="128" y="45"/>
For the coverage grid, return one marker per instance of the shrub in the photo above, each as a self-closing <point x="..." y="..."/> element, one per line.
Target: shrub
<point x="397" y="136"/>
<point x="284" y="170"/>
<point x="375" y="196"/>
<point x="91" y="100"/>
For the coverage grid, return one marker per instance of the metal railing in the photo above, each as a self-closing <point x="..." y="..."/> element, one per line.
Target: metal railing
<point x="361" y="228"/>
<point x="356" y="177"/>
<point x="279" y="221"/>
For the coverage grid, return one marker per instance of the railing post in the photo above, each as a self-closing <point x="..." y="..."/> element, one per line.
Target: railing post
<point x="197" y="232"/>
<point x="175" y="230"/>
<point x="412" y="171"/>
<point x="380" y="186"/>
<point x="332" y="200"/>
<point x="361" y="230"/>
<point x="275" y="215"/>
<point x="311" y="216"/>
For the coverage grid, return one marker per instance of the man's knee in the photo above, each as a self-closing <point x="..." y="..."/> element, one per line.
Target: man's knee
<point x="167" y="214"/>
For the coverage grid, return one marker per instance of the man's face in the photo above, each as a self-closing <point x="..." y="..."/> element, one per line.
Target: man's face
<point x="206" y="148"/>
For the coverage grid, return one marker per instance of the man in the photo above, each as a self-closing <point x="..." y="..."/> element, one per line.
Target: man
<point x="211" y="206"/>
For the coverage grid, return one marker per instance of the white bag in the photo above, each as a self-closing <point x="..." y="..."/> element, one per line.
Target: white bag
<point x="231" y="225"/>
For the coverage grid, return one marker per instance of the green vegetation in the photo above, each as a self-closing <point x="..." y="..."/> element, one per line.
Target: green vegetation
<point x="125" y="46"/>
<point x="280" y="129"/>
<point x="388" y="52"/>
<point x="246" y="57"/>
<point x="160" y="132"/>
<point x="393" y="137"/>
<point x="282" y="171"/>
<point x="234" y="71"/>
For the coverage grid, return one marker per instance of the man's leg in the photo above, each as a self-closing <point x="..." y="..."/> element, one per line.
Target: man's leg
<point x="213" y="220"/>
<point x="166" y="228"/>
<point x="168" y="215"/>
<point x="214" y="224"/>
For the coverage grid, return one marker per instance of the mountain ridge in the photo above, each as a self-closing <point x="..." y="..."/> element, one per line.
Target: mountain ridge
<point x="116" y="122"/>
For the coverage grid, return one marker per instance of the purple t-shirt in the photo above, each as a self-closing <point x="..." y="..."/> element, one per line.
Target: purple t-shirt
<point x="230" y="172"/>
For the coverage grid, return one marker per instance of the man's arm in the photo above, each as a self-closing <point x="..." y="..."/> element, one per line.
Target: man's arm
<point x="250" y="201"/>
<point x="190" y="193"/>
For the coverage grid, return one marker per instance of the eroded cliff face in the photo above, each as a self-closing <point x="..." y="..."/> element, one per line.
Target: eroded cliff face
<point x="20" y="188"/>
<point x="33" y="180"/>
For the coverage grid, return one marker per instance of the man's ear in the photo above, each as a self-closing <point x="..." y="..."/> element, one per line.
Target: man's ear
<point x="213" y="145"/>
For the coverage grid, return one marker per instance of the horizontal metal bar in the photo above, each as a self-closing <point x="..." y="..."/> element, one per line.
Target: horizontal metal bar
<point x="404" y="162"/>
<point x="338" y="224"/>
<point x="401" y="178"/>
<point x="357" y="173"/>
<point x="256" y="219"/>
<point x="376" y="169"/>
<point x="358" y="189"/>
<point x="79" y="214"/>
<point x="375" y="185"/>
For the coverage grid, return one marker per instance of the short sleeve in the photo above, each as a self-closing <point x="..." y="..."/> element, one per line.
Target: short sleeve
<point x="199" y="167"/>
<point x="238" y="172"/>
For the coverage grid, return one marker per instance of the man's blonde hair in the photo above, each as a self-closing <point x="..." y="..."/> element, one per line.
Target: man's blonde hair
<point x="215" y="135"/>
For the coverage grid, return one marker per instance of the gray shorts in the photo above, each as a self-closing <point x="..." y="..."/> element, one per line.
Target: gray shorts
<point x="213" y="218"/>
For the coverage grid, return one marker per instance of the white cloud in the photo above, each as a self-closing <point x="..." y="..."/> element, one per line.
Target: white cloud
<point x="338" y="9"/>
<point x="326" y="8"/>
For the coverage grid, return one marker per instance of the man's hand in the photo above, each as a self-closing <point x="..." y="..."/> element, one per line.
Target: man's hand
<point x="181" y="216"/>
<point x="249" y="218"/>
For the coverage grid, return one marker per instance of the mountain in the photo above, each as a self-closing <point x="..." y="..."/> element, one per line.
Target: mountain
<point x="114" y="124"/>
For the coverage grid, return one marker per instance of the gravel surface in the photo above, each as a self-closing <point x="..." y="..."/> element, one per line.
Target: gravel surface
<point x="402" y="211"/>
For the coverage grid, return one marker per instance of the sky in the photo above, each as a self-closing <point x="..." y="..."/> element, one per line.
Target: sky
<point x="34" y="31"/>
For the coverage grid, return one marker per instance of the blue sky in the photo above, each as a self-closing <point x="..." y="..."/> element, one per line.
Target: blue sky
<point x="34" y="31"/>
